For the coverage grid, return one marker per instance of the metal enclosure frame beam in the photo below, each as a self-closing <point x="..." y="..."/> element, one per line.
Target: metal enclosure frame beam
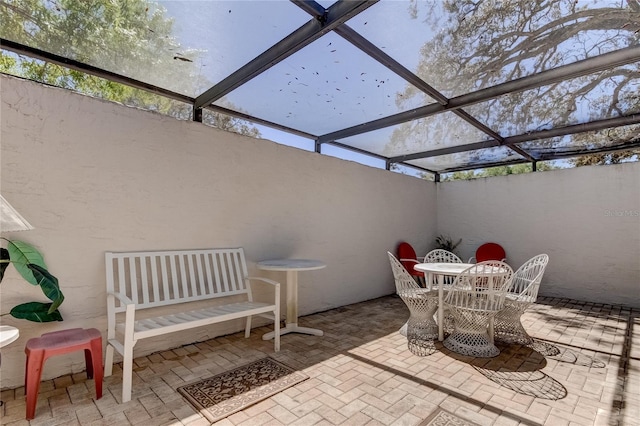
<point x="587" y="66"/>
<point x="591" y="126"/>
<point x="394" y="66"/>
<point x="42" y="55"/>
<point x="338" y="13"/>
<point x="569" y="154"/>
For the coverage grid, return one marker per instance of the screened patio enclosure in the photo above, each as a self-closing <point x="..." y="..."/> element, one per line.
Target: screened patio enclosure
<point x="437" y="86"/>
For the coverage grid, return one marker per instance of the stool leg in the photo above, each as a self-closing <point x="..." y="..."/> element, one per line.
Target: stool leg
<point x="35" y="360"/>
<point x="96" y="365"/>
<point x="88" y="363"/>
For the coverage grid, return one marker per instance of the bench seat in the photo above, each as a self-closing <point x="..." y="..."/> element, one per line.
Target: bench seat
<point x="164" y="324"/>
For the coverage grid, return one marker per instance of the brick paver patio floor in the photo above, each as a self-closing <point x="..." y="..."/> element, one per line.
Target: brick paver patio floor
<point x="362" y="373"/>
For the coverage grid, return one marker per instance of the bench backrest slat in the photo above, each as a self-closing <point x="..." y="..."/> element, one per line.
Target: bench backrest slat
<point x="199" y="284"/>
<point x="174" y="270"/>
<point x="232" y="271"/>
<point x="162" y="278"/>
<point x="222" y="270"/>
<point x="134" y="280"/>
<point x="209" y="282"/>
<point x="120" y="273"/>
<point x="216" y="276"/>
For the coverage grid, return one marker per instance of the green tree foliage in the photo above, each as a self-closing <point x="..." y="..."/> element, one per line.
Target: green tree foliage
<point x="128" y="37"/>
<point x="497" y="171"/>
<point x="626" y="133"/>
<point x="481" y="43"/>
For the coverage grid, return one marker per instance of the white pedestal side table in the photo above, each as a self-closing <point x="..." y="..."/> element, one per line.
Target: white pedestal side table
<point x="8" y="334"/>
<point x="292" y="267"/>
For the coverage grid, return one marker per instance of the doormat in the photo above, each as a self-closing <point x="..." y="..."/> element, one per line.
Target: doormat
<point x="442" y="417"/>
<point x="226" y="393"/>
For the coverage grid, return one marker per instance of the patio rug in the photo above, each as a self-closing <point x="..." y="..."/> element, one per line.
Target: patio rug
<point x="226" y="393"/>
<point x="442" y="417"/>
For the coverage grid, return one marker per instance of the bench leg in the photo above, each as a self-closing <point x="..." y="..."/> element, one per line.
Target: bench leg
<point x="276" y="330"/>
<point x="108" y="361"/>
<point x="247" y="329"/>
<point x="127" y="371"/>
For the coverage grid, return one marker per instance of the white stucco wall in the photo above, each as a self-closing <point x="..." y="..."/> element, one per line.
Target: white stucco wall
<point x="93" y="176"/>
<point x="586" y="219"/>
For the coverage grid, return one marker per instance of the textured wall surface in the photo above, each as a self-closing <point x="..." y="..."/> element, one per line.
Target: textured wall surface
<point x="93" y="176"/>
<point x="586" y="219"/>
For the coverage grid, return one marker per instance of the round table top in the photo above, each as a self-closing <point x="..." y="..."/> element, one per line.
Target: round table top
<point x="457" y="268"/>
<point x="8" y="334"/>
<point x="442" y="268"/>
<point x="290" y="265"/>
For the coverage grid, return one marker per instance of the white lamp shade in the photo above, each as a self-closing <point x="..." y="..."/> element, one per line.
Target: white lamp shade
<point x="10" y="219"/>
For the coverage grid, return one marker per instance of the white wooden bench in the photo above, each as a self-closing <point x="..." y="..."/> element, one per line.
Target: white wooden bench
<point x="156" y="279"/>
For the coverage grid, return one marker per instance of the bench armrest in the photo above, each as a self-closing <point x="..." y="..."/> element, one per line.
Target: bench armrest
<point x="121" y="297"/>
<point x="276" y="284"/>
<point x="264" y="280"/>
<point x="130" y="315"/>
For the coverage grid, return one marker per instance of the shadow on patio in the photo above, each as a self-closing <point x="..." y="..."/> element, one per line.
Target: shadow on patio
<point x="362" y="373"/>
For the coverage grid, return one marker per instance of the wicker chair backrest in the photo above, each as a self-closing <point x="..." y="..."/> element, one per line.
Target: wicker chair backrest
<point x="441" y="256"/>
<point x="403" y="280"/>
<point x="526" y="280"/>
<point x="482" y="286"/>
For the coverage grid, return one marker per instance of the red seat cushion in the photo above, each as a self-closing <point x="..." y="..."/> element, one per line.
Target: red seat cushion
<point x="406" y="251"/>
<point x="490" y="251"/>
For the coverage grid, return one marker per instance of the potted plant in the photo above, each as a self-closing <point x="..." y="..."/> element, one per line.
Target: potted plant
<point x="445" y="242"/>
<point x="31" y="266"/>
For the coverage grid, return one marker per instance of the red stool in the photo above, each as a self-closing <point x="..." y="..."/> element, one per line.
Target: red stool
<point x="40" y="348"/>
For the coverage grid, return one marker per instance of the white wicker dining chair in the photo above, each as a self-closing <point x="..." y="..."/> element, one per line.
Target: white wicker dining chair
<point x="422" y="304"/>
<point x="441" y="256"/>
<point x="476" y="296"/>
<point x="522" y="292"/>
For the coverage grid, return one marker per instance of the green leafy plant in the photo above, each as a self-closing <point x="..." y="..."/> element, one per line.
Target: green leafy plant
<point x="445" y="242"/>
<point x="30" y="265"/>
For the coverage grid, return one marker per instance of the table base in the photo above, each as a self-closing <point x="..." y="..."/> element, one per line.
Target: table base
<point x="293" y="328"/>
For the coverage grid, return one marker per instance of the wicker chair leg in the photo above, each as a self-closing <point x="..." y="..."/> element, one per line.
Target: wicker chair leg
<point x="403" y="329"/>
<point x="470" y="336"/>
<point x="422" y="329"/>
<point x="508" y="327"/>
<point x="421" y="324"/>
